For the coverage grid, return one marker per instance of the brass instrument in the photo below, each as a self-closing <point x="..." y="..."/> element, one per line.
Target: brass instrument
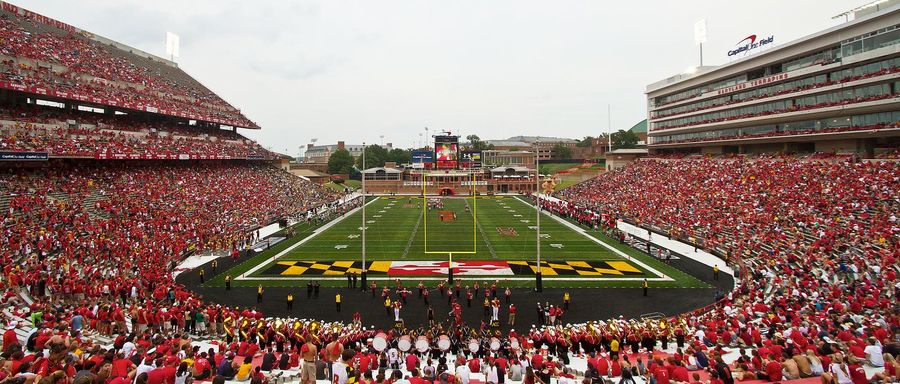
<point x="279" y="325"/>
<point x="244" y="324"/>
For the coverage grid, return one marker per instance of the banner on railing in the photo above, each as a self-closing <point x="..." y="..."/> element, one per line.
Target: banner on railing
<point x="24" y="156"/>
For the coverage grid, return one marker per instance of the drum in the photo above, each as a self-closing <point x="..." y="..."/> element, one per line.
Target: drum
<point x="422" y="344"/>
<point x="513" y="343"/>
<point x="495" y="344"/>
<point x="473" y="345"/>
<point x="405" y="343"/>
<point x="379" y="342"/>
<point x="443" y="343"/>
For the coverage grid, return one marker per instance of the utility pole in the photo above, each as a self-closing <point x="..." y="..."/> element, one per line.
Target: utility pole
<point x="362" y="174"/>
<point x="538" y="284"/>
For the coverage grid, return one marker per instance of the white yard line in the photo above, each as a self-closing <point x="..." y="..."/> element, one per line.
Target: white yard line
<point x="456" y="276"/>
<point x="315" y="233"/>
<point x="584" y="233"/>
<point x="661" y="276"/>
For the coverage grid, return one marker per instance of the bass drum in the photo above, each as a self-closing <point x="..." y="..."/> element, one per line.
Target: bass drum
<point x="405" y="343"/>
<point x="513" y="343"/>
<point x="495" y="344"/>
<point x="379" y="342"/>
<point x="422" y="344"/>
<point x="443" y="343"/>
<point x="473" y="345"/>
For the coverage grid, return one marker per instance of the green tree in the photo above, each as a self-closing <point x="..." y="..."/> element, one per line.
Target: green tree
<point x="475" y="143"/>
<point x="624" y="139"/>
<point x="560" y="151"/>
<point x="376" y="155"/>
<point x="587" y="142"/>
<point x="340" y="162"/>
<point x="400" y="156"/>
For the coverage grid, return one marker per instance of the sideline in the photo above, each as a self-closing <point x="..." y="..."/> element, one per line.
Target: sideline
<point x="315" y="233"/>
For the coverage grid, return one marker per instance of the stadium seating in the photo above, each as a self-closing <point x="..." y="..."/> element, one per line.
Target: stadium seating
<point x="61" y="61"/>
<point x="87" y="134"/>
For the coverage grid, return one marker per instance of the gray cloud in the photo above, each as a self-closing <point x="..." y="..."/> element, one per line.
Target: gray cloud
<point x="353" y="70"/>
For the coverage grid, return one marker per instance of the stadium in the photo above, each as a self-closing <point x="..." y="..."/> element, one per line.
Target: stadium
<point x="751" y="235"/>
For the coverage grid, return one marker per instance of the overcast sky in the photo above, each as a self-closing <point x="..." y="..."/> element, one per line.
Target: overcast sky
<point x="356" y="70"/>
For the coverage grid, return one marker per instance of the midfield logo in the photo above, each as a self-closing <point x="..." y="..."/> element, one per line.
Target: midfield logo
<point x="507" y="231"/>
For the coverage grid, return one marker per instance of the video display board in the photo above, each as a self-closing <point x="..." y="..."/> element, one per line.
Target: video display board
<point x="446" y="152"/>
<point x="422" y="159"/>
<point x="470" y="159"/>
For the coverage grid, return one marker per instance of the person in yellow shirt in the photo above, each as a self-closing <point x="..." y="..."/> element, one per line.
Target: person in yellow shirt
<point x="716" y="272"/>
<point x="566" y="300"/>
<point x="243" y="373"/>
<point x="337" y="301"/>
<point x="290" y="301"/>
<point x="645" y="285"/>
<point x="227" y="282"/>
<point x="387" y="305"/>
<point x="614" y="349"/>
<point x="259" y="292"/>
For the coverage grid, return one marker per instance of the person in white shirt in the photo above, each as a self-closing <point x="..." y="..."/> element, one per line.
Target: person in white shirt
<point x="491" y="374"/>
<point x="146" y="366"/>
<point x="463" y="373"/>
<point x="874" y="354"/>
<point x="393" y="358"/>
<point x="339" y="368"/>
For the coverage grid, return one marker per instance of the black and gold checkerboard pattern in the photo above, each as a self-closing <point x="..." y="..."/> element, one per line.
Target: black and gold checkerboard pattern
<point x="326" y="268"/>
<point x="575" y="268"/>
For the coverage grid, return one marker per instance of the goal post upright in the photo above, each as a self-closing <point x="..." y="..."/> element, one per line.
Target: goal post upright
<point x="449" y="253"/>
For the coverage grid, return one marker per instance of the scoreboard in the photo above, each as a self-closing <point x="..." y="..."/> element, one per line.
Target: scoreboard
<point x="446" y="152"/>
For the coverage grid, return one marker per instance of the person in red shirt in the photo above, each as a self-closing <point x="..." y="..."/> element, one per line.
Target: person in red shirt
<point x="9" y="337"/>
<point x="122" y="367"/>
<point x="773" y="368"/>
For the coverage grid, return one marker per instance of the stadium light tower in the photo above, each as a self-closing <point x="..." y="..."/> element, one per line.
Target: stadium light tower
<point x="538" y="284"/>
<point x="362" y="175"/>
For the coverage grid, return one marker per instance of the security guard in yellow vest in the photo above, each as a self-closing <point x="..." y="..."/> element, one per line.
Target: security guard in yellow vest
<point x="227" y="282"/>
<point x="646" y="285"/>
<point x="566" y="300"/>
<point x="259" y="292"/>
<point x="337" y="301"/>
<point x="290" y="301"/>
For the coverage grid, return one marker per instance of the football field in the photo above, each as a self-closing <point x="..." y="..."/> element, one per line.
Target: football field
<point x="493" y="237"/>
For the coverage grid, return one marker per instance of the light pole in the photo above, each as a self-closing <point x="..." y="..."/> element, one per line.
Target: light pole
<point x="362" y="174"/>
<point x="538" y="285"/>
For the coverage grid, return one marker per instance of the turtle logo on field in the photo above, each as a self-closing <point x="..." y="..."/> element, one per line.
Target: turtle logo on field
<point x="507" y="231"/>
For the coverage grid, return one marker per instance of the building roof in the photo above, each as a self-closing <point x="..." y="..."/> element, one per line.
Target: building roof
<point x="545" y="139"/>
<point x="508" y="143"/>
<point x="383" y="169"/>
<point x="640" y="127"/>
<point x="504" y="168"/>
<point x="629" y="151"/>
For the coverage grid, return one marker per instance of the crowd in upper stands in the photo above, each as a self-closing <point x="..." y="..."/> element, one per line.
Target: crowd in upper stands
<point x="36" y="54"/>
<point x="46" y="129"/>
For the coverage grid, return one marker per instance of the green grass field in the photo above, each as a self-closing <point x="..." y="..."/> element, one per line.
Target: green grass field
<point x="504" y="231"/>
<point x="396" y="229"/>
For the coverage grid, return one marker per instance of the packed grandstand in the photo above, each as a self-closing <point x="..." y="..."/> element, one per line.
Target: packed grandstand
<point x="91" y="239"/>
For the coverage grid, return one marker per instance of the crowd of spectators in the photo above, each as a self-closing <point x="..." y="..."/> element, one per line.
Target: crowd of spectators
<point x="88" y="134"/>
<point x="780" y="132"/>
<point x="39" y="55"/>
<point x="817" y="239"/>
